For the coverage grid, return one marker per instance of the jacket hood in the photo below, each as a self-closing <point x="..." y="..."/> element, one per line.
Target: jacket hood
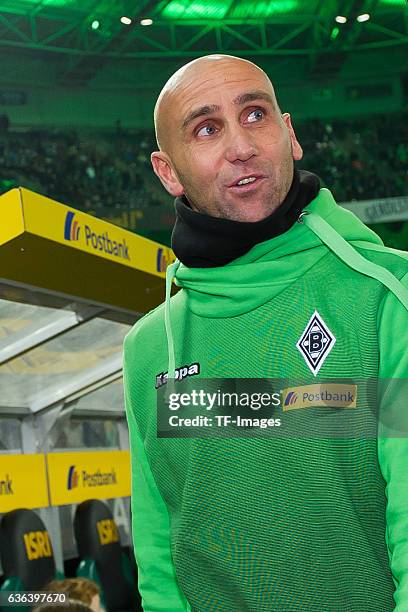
<point x="269" y="267"/>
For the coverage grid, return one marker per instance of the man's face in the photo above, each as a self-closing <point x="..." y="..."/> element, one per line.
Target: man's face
<point x="227" y="147"/>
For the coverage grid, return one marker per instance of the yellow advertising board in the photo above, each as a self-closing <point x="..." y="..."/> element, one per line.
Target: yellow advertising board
<point x="79" y="230"/>
<point x="23" y="482"/>
<point x="46" y="244"/>
<point x="12" y="224"/>
<point x="78" y="476"/>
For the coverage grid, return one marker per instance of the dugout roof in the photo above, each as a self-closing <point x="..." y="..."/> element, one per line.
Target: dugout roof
<point x="87" y="40"/>
<point x="67" y="299"/>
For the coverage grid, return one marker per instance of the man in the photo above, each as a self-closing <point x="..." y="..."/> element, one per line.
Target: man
<point x="278" y="283"/>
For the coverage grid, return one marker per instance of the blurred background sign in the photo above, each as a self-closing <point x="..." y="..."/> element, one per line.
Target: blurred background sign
<point x="23" y="482"/>
<point x="77" y="476"/>
<point x="380" y="211"/>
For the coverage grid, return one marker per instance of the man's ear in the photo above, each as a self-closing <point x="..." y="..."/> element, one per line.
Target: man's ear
<point x="297" y="151"/>
<point x="164" y="170"/>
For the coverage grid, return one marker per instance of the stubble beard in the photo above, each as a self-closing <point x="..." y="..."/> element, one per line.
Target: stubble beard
<point x="271" y="201"/>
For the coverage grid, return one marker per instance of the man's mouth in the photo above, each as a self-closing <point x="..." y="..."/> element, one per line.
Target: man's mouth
<point x="246" y="182"/>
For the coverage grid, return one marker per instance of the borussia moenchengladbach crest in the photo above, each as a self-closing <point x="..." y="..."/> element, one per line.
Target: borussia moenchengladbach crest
<point x="316" y="342"/>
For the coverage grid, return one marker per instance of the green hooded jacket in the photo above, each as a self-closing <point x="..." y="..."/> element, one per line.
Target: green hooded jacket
<point x="274" y="524"/>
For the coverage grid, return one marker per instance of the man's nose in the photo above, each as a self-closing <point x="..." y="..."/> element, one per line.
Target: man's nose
<point x="240" y="145"/>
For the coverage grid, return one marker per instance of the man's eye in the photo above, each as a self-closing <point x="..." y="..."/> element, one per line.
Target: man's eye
<point x="207" y="130"/>
<point x="256" y="115"/>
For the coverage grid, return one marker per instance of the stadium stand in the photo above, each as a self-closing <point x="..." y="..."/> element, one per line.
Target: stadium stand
<point x="85" y="170"/>
<point x="109" y="175"/>
<point x="358" y="159"/>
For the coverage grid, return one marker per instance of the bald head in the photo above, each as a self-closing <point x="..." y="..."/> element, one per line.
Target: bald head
<point x="196" y="71"/>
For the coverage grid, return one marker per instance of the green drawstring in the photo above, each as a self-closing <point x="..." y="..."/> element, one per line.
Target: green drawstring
<point x="351" y="257"/>
<point x="170" y="274"/>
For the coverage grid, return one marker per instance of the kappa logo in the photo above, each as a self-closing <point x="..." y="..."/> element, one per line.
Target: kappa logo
<point x="179" y="374"/>
<point x="315" y="343"/>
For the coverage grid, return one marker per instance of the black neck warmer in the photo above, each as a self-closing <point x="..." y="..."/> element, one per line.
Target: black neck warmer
<point x="202" y="241"/>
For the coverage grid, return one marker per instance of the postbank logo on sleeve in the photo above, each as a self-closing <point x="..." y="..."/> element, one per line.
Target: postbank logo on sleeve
<point x="329" y="395"/>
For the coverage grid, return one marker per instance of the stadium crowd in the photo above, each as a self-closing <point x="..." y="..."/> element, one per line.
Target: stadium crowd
<point x="85" y="170"/>
<point x="357" y="159"/>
